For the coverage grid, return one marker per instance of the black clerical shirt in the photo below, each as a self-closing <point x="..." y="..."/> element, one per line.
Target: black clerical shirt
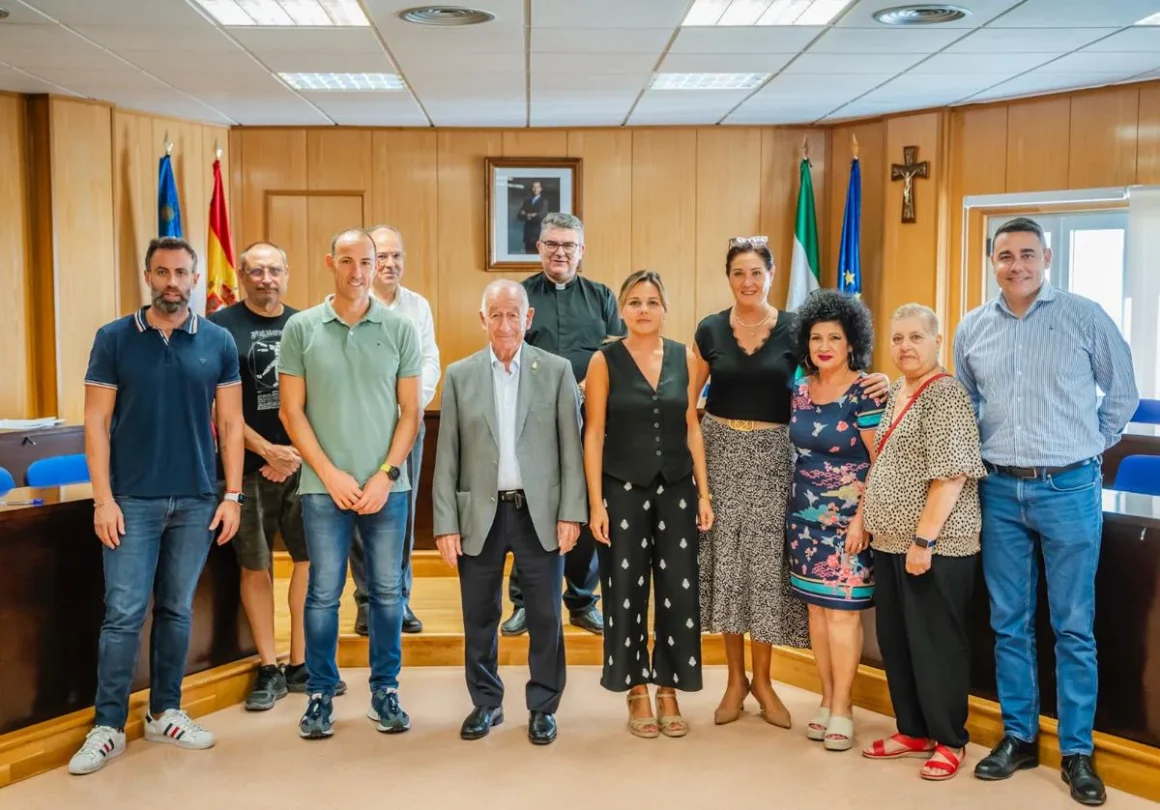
<point x="571" y="320"/>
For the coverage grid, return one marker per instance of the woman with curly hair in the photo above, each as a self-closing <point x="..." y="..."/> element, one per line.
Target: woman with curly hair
<point x="832" y="431"/>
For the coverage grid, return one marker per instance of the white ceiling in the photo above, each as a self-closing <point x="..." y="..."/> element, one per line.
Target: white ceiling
<point x="567" y="62"/>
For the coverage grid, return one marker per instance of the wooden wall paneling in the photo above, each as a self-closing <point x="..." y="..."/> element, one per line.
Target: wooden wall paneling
<point x="212" y="138"/>
<point x="135" y="203"/>
<point x="1104" y="127"/>
<point x="664" y="218"/>
<point x="535" y="143"/>
<point x="872" y="159"/>
<point x="338" y="158"/>
<point x="274" y="159"/>
<point x="911" y="257"/>
<point x="288" y="218"/>
<point x="236" y="182"/>
<point x="82" y="217"/>
<point x="42" y="275"/>
<point x="462" y="244"/>
<point x="607" y="156"/>
<point x="405" y="195"/>
<point x="1038" y="144"/>
<point x="18" y="393"/>
<point x="977" y="165"/>
<point x="728" y="196"/>
<point x="326" y="215"/>
<point x="1148" y="142"/>
<point x="781" y="154"/>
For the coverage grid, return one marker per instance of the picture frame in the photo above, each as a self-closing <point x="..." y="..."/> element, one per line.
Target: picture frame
<point x="519" y="193"/>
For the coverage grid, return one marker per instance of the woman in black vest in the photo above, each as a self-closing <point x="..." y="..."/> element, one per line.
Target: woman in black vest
<point x="648" y="497"/>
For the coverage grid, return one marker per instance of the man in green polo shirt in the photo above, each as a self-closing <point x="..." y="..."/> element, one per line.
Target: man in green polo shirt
<point x="349" y="377"/>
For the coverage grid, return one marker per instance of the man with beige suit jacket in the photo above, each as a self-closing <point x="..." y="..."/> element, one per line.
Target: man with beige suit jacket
<point x="509" y="476"/>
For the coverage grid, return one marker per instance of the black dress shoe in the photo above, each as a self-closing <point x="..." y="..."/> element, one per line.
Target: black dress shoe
<point x="589" y="620"/>
<point x="1086" y="786"/>
<point x="1008" y="756"/>
<point x="541" y="728"/>
<point x="360" y="621"/>
<point x="517" y="625"/>
<point x="411" y="623"/>
<point x="479" y="722"/>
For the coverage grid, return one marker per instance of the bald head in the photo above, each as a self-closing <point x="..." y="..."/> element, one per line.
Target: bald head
<point x="506" y="315"/>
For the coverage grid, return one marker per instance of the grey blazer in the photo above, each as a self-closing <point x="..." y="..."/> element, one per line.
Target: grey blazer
<point x="548" y="448"/>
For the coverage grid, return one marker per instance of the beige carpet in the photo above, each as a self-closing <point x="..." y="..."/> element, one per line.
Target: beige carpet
<point x="259" y="762"/>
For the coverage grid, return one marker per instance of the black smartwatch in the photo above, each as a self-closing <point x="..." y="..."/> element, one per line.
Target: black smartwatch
<point x="393" y="473"/>
<point x="922" y="542"/>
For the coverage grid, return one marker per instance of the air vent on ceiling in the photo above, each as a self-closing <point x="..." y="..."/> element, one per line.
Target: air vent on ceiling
<point x="3" y="13"/>
<point x="445" y="16"/>
<point x="923" y="14"/>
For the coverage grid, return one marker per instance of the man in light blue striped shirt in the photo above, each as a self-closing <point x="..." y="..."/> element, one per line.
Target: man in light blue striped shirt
<point x="1032" y="360"/>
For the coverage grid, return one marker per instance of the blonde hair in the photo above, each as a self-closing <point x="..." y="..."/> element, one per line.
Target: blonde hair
<point x="641" y="277"/>
<point x="920" y="311"/>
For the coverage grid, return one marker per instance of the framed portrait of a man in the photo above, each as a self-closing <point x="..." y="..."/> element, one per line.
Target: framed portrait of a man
<point x="520" y="193"/>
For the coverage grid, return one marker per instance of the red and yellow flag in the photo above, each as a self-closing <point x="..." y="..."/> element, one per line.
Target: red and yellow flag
<point x="221" y="287"/>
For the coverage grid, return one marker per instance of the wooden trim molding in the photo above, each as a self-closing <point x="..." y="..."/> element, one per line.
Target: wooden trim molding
<point x="45" y="746"/>
<point x="423" y="564"/>
<point x="1123" y="764"/>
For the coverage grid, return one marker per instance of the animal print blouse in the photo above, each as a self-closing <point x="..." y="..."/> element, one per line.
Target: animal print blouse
<point x="938" y="438"/>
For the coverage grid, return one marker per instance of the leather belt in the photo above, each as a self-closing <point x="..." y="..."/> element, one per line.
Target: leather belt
<point x="1036" y="472"/>
<point x="515" y="496"/>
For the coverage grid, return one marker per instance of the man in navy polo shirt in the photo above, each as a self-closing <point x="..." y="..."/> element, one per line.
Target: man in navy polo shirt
<point x="153" y="381"/>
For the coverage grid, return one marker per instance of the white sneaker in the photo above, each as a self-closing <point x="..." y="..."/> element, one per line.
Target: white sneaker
<point x="100" y="745"/>
<point x="176" y="728"/>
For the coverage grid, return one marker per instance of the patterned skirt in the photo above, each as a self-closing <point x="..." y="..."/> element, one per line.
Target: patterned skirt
<point x="744" y="563"/>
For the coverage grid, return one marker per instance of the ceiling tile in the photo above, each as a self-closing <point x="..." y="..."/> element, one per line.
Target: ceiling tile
<point x="600" y="40"/>
<point x="853" y="64"/>
<point x="327" y="62"/>
<point x="982" y="11"/>
<point x="469" y="113"/>
<point x="37" y="36"/>
<point x="685" y="106"/>
<point x="783" y="114"/>
<point x="884" y="40"/>
<point x="166" y="102"/>
<point x="724" y="63"/>
<point x="951" y="64"/>
<point x="168" y="13"/>
<point x="290" y="40"/>
<point x="1094" y="62"/>
<point x="920" y="91"/>
<point x="590" y="83"/>
<point x="17" y="81"/>
<point x="578" y="65"/>
<point x="98" y="83"/>
<point x="1140" y="38"/>
<point x="486" y="83"/>
<point x="1077" y="13"/>
<point x="748" y="39"/>
<point x="20" y="14"/>
<point x="75" y="55"/>
<point x="608" y="14"/>
<point x="205" y="38"/>
<point x="808" y="84"/>
<point x="1001" y="42"/>
<point x="366" y="109"/>
<point x="558" y="111"/>
<point x="1040" y="82"/>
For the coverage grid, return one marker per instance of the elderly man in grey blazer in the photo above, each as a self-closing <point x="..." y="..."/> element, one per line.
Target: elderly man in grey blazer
<point x="509" y="476"/>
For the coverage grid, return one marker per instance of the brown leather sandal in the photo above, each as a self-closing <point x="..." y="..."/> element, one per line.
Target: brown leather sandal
<point x="644" y="727"/>
<point x="672" y="725"/>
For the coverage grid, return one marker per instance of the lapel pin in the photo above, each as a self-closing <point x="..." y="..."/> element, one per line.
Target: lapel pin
<point x="535" y="364"/>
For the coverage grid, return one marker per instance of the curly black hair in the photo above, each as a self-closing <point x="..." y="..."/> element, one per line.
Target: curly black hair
<point x="832" y="306"/>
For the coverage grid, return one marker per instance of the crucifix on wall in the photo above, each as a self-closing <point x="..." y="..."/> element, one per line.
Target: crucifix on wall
<point x="909" y="169"/>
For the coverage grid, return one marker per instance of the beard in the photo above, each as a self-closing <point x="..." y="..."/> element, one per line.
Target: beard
<point x="167" y="306"/>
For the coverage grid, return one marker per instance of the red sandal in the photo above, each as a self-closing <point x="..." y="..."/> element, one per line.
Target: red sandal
<point x="937" y="771"/>
<point x="914" y="747"/>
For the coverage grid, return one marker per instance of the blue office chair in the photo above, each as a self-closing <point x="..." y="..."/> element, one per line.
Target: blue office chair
<point x="7" y="482"/>
<point x="1148" y="412"/>
<point x="1139" y="474"/>
<point x="58" y="471"/>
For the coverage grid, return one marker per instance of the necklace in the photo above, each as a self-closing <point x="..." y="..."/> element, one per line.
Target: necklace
<point x="740" y="322"/>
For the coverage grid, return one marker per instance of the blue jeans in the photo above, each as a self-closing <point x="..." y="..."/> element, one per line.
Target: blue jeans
<point x="162" y="553"/>
<point x="328" y="536"/>
<point x="1060" y="516"/>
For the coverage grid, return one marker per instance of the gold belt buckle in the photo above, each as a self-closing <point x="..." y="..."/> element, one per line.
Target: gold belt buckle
<point x="744" y="425"/>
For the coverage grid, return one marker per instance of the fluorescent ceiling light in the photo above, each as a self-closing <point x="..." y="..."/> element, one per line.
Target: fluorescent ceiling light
<point x="707" y="81"/>
<point x="1153" y="20"/>
<point x="286" y="13"/>
<point x="344" y="82"/>
<point x="764" y="12"/>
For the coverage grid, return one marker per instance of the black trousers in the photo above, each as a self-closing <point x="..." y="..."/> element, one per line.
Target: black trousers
<point x="653" y="534"/>
<point x="481" y="588"/>
<point x="581" y="575"/>
<point x="922" y="633"/>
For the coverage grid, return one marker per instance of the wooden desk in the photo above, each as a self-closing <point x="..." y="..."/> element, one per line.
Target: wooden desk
<point x="52" y="605"/>
<point x="19" y="448"/>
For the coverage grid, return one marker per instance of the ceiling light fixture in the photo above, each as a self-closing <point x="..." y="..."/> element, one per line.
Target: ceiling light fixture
<point x="764" y="12"/>
<point x="445" y="16"/>
<point x="923" y="14"/>
<point x="286" y="13"/>
<point x="3" y="13"/>
<point x="707" y="81"/>
<point x="344" y="82"/>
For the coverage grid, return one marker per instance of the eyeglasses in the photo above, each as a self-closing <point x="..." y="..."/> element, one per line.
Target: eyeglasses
<point x="257" y="271"/>
<point x="748" y="241"/>
<point x="568" y="247"/>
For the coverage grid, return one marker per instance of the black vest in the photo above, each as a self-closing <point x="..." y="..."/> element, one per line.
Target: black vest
<point x="645" y="433"/>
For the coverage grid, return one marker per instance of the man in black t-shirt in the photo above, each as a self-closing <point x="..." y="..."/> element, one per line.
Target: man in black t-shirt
<point x="270" y="474"/>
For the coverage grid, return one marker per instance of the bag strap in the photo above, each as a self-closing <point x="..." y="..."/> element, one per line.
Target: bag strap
<point x="890" y="430"/>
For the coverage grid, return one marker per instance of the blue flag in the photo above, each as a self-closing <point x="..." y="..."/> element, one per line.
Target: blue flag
<point x="168" y="208"/>
<point x="849" y="254"/>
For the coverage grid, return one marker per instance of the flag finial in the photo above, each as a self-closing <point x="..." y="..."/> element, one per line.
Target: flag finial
<point x="805" y="147"/>
<point x="854" y="145"/>
<point x="217" y="149"/>
<point x="168" y="144"/>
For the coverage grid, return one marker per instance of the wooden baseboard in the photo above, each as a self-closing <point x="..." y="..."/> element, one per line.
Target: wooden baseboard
<point x="36" y="749"/>
<point x="423" y="564"/>
<point x="1123" y="764"/>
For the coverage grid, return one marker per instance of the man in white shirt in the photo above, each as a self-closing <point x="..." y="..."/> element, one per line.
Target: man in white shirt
<point x="389" y="290"/>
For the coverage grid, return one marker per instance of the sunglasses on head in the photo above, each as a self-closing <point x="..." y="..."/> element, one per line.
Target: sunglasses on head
<point x="748" y="241"/>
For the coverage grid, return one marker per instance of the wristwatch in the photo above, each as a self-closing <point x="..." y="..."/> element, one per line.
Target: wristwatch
<point x="393" y="473"/>
<point x="922" y="542"/>
<point x="236" y="497"/>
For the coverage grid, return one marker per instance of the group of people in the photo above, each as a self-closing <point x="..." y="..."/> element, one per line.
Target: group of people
<point x="808" y="491"/>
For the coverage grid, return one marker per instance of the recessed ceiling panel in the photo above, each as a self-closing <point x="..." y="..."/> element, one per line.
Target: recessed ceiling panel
<point x="952" y="64"/>
<point x="724" y="63"/>
<point x="852" y="64"/>
<point x="999" y="43"/>
<point x="168" y="13"/>
<point x="761" y="39"/>
<point x="608" y="13"/>
<point x="885" y="40"/>
<point x="600" y="40"/>
<point x="16" y="81"/>
<point x="1077" y="13"/>
<point x="206" y="39"/>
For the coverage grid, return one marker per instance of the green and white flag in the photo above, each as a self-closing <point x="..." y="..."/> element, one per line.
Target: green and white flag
<point x="803" y="274"/>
